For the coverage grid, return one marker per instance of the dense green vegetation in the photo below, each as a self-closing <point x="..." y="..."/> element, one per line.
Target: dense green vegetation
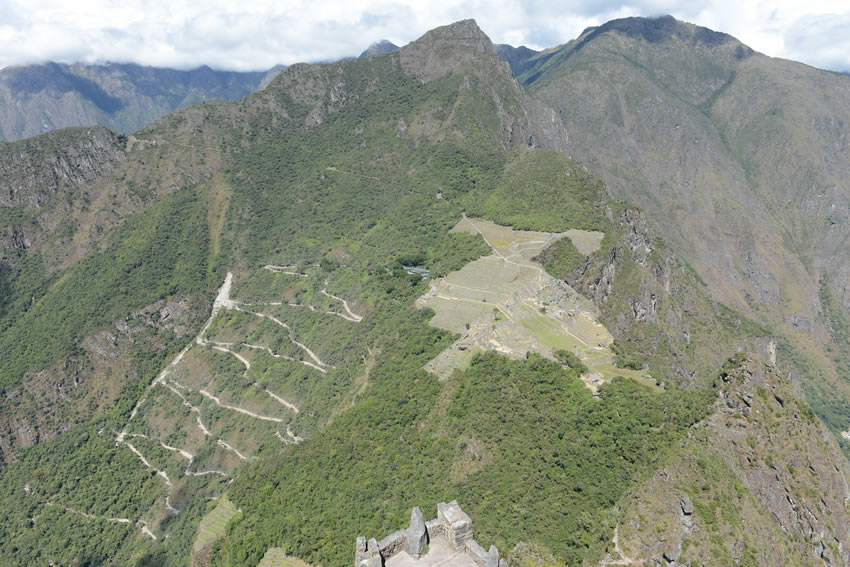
<point x="153" y="256"/>
<point x="542" y="190"/>
<point x="519" y="443"/>
<point x="563" y="259"/>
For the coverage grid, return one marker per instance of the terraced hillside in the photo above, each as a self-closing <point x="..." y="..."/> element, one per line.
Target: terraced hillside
<point x="235" y="392"/>
<point x="508" y="303"/>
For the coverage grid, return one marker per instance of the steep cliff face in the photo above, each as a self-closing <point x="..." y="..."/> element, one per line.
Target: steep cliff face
<point x="658" y="309"/>
<point x="761" y="481"/>
<point x="41" y="178"/>
<point x="37" y="169"/>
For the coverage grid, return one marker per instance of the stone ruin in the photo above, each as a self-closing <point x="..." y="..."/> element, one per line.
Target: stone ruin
<point x="452" y="524"/>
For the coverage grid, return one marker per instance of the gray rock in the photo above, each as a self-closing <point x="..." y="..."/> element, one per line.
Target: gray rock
<point x="417" y="536"/>
<point x="492" y="559"/>
<point x="687" y="506"/>
<point x="456" y="524"/>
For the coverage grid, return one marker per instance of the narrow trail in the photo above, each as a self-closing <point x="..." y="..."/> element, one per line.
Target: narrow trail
<point x="224" y="444"/>
<point x="205" y="473"/>
<point x="332" y="168"/>
<point x="139" y="523"/>
<point x="183" y="453"/>
<point x="352" y="316"/>
<point x="295" y="438"/>
<point x="285" y="357"/>
<point x="290" y="439"/>
<point x="609" y="559"/>
<point x="283" y="270"/>
<point x="86" y="514"/>
<point x="147" y="532"/>
<point x="242" y="359"/>
<point x="186" y="403"/>
<point x="219" y="403"/>
<point x="280" y="400"/>
<point x="302" y="346"/>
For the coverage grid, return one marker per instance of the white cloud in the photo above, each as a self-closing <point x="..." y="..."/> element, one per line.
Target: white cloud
<point x="256" y="34"/>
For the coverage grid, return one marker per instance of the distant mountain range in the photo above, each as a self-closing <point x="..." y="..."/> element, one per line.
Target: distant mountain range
<point x="123" y="97"/>
<point x="379" y="48"/>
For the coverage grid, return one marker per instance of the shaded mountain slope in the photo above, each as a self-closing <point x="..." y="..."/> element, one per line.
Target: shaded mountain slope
<point x="379" y="48"/>
<point x="122" y="97"/>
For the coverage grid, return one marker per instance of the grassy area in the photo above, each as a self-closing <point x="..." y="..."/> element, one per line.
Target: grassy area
<point x="212" y="525"/>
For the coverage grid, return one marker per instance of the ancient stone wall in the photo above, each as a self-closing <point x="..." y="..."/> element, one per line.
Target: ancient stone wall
<point x="451" y="522"/>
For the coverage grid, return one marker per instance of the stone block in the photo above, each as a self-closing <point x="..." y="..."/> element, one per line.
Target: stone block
<point x="393" y="543"/>
<point x="434" y="528"/>
<point x="476" y="553"/>
<point x="457" y="526"/>
<point x="417" y="535"/>
<point x="492" y="559"/>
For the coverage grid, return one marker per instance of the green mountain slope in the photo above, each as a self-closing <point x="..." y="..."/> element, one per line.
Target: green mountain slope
<point x="298" y="390"/>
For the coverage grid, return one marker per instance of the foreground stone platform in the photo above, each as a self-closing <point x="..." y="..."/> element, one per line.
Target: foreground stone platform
<point x="446" y="540"/>
<point x="439" y="552"/>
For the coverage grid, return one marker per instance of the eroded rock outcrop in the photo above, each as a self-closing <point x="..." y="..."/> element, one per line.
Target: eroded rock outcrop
<point x="761" y="481"/>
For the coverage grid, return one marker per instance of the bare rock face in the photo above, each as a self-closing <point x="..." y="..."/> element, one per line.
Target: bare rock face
<point x="417" y="536"/>
<point x="37" y="168"/>
<point x="445" y="49"/>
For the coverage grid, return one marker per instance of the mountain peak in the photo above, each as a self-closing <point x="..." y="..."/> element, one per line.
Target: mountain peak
<point x="444" y="49"/>
<point x="379" y="48"/>
<point x="660" y="29"/>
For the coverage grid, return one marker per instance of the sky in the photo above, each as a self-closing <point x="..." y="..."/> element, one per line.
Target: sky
<point x="258" y="34"/>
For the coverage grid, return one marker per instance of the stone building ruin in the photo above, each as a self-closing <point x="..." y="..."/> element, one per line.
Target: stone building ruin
<point x="446" y="540"/>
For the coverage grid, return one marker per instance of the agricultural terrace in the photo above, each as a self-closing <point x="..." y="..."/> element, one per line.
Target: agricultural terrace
<point x="508" y="303"/>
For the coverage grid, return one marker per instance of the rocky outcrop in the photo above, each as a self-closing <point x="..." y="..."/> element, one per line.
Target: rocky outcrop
<point x="34" y="170"/>
<point x="47" y="402"/>
<point x="761" y="481"/>
<point x="445" y="50"/>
